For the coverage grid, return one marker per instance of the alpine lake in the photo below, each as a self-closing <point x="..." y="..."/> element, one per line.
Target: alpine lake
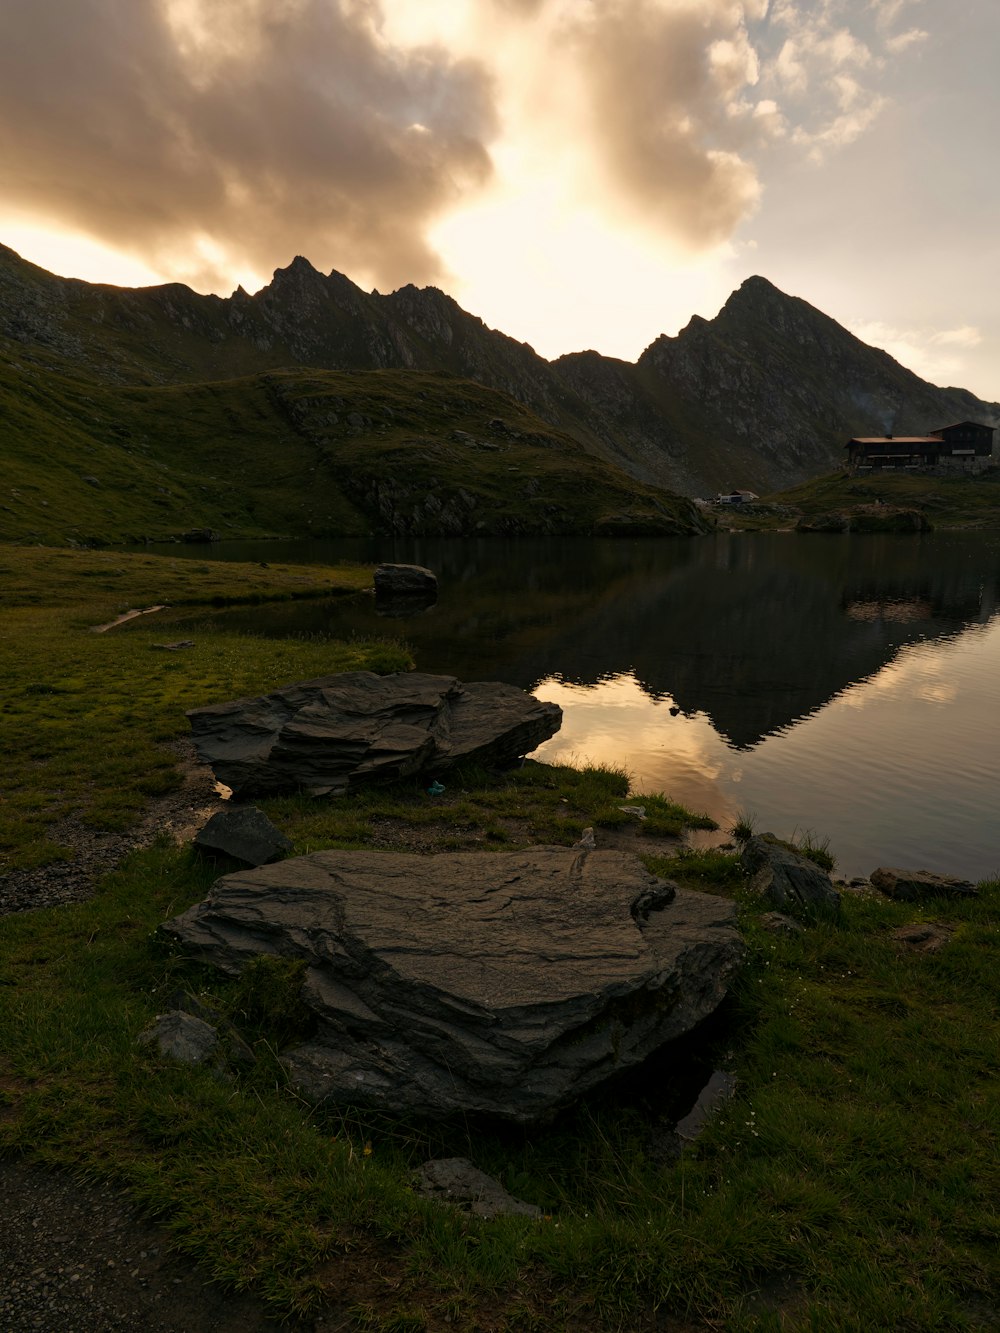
<point x="837" y="687"/>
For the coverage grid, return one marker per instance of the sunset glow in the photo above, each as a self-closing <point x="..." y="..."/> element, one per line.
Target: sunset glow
<point x="577" y="175"/>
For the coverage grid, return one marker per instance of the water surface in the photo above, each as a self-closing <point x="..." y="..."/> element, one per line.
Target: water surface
<point x="845" y="686"/>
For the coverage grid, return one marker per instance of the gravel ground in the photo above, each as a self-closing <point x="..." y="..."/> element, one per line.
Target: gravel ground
<point x="81" y="1259"/>
<point x="95" y="852"/>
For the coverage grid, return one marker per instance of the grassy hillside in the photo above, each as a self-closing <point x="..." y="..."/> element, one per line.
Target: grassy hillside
<point x="299" y="453"/>
<point x="947" y="501"/>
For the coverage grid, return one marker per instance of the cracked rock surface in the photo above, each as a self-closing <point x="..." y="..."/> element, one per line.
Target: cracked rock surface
<point x="322" y="735"/>
<point x="503" y="983"/>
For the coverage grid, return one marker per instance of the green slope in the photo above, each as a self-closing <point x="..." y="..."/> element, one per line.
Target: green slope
<point x="957" y="501"/>
<point x="297" y="453"/>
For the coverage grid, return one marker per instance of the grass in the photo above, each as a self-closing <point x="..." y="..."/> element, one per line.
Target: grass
<point x="535" y="803"/>
<point x="850" y="1183"/>
<point x="948" y="501"/>
<point x="744" y="826"/>
<point x="405" y="451"/>
<point x="87" y="718"/>
<point x="814" y="847"/>
<point x="856" y="1166"/>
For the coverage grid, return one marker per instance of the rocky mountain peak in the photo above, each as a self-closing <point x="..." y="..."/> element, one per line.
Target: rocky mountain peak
<point x="299" y="265"/>
<point x="763" y="395"/>
<point x="298" y="276"/>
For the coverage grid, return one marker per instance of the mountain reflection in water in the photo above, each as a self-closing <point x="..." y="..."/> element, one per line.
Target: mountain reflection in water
<point x="844" y="685"/>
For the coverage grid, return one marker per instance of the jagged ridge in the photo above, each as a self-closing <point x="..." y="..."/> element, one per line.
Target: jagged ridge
<point x="764" y="395"/>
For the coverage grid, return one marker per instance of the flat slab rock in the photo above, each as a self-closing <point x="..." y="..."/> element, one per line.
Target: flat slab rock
<point x="915" y="885"/>
<point x="455" y="1181"/>
<point x="503" y="983"/>
<point x="326" y="734"/>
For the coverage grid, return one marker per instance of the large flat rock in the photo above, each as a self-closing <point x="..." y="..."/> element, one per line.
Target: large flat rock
<point x="326" y="734"/>
<point x="505" y="983"/>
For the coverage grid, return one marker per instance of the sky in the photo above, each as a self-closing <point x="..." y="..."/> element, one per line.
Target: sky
<point x="578" y="173"/>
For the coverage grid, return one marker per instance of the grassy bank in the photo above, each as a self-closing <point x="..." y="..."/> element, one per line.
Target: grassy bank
<point x="311" y="453"/>
<point x="946" y="501"/>
<point x="87" y="717"/>
<point x="849" y="1184"/>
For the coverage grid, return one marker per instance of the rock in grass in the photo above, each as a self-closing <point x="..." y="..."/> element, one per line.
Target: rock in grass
<point x="503" y="983"/>
<point x="455" y="1181"/>
<point x="325" y="734"/>
<point x="183" y="1037"/>
<point x="924" y="936"/>
<point x="785" y="879"/>
<point x="244" y="833"/>
<point x="779" y="924"/>
<point x="912" y="886"/>
<point x="194" y="1034"/>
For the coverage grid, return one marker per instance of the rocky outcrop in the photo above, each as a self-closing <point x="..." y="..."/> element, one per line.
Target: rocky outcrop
<point x="402" y="590"/>
<point x="244" y="833"/>
<point x="787" y="881"/>
<point x="913" y="886"/>
<point x="507" y="984"/>
<point x="824" y="523"/>
<point x="889" y="518"/>
<point x="323" y="735"/>
<point x="867" y="518"/>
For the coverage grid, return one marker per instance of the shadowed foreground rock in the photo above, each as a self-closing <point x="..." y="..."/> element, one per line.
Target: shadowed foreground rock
<point x="505" y="983"/>
<point x="322" y="735"/>
<point x="244" y="833"/>
<point x="786" y="880"/>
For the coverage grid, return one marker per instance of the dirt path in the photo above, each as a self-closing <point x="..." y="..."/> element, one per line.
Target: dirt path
<point x="94" y="851"/>
<point x="80" y="1258"/>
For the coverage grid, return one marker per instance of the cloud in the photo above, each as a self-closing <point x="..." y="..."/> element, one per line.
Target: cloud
<point x="904" y="40"/>
<point x="242" y="131"/>
<point x="214" y="136"/>
<point x="659" y="81"/>
<point x="888" y="11"/>
<point x="929" y="352"/>
<point x="826" y="67"/>
<point x="843" y="129"/>
<point x="966" y="336"/>
<point x="640" y="109"/>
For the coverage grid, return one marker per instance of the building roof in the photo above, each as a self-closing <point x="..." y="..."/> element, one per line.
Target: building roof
<point x="955" y="425"/>
<point x="895" y="439"/>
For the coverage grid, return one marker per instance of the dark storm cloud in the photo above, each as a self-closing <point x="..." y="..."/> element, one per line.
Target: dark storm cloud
<point x="267" y="127"/>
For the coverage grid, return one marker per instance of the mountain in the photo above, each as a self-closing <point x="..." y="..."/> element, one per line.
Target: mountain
<point x="763" y="396"/>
